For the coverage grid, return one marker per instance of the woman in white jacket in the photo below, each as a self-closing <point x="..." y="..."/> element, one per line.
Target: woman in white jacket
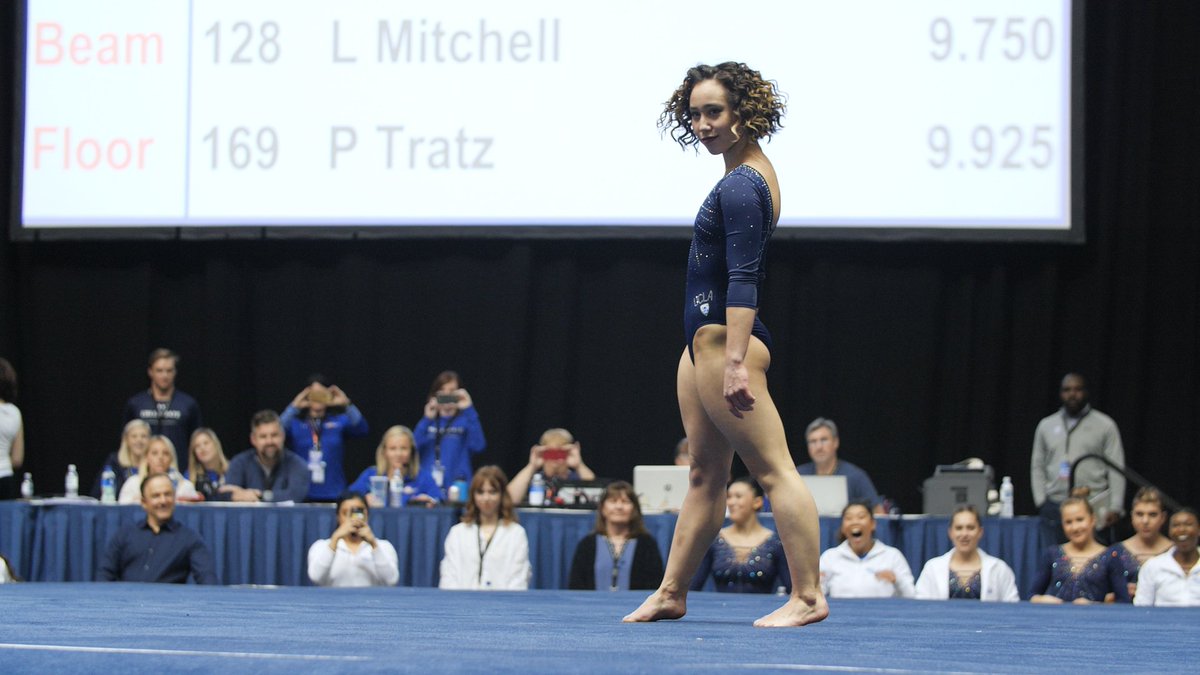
<point x="862" y="566"/>
<point x="966" y="571"/>
<point x="488" y="550"/>
<point x="352" y="556"/>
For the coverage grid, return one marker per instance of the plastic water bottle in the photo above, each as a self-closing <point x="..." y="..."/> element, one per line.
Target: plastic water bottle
<point x="537" y="490"/>
<point x="72" y="482"/>
<point x="108" y="486"/>
<point x="395" y="489"/>
<point x="27" y="487"/>
<point x="1006" y="498"/>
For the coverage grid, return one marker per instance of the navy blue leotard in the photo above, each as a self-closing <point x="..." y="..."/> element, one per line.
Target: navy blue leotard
<point x="727" y="260"/>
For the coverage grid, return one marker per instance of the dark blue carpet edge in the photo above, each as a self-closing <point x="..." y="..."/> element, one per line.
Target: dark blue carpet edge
<point x="43" y="627"/>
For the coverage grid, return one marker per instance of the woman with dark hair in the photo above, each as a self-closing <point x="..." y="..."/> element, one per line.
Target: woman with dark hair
<point x="449" y="432"/>
<point x="12" y="433"/>
<point x="1148" y="517"/>
<point x="966" y="571"/>
<point x="628" y="559"/>
<point x="1078" y="571"/>
<point x="862" y="566"/>
<point x="1173" y="578"/>
<point x="746" y="557"/>
<point x="352" y="555"/>
<point x="722" y="373"/>
<point x="488" y="550"/>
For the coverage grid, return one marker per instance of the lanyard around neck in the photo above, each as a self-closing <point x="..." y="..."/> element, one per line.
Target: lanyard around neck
<point x="616" y="559"/>
<point x="483" y="548"/>
<point x="314" y="427"/>
<point x="441" y="432"/>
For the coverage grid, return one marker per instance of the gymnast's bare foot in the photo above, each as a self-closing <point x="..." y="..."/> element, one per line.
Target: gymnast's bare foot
<point x="660" y="605"/>
<point x="796" y="612"/>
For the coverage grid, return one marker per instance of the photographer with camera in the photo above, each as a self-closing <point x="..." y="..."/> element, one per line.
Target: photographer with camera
<point x="449" y="432"/>
<point x="317" y="423"/>
<point x="557" y="458"/>
<point x="352" y="556"/>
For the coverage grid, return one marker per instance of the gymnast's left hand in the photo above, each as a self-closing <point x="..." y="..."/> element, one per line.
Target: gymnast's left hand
<point x="737" y="389"/>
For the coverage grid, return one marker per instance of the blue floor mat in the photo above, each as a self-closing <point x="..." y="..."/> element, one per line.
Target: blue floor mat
<point x="150" y="628"/>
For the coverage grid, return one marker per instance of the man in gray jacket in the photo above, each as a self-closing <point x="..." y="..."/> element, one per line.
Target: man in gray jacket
<point x="1075" y="430"/>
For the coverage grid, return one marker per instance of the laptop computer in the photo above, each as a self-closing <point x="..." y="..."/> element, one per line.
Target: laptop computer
<point x="829" y="492"/>
<point x="578" y="494"/>
<point x="660" y="488"/>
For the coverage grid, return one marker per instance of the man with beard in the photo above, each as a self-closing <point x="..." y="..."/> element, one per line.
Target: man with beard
<point x="158" y="549"/>
<point x="267" y="472"/>
<point x="1073" y="431"/>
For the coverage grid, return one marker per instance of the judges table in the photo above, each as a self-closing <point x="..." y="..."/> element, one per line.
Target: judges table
<point x="268" y="545"/>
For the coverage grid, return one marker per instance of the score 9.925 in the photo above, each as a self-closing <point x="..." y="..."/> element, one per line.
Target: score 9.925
<point x="986" y="147"/>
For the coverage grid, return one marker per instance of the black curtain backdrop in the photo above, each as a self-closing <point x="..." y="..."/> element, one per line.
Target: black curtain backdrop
<point x="924" y="353"/>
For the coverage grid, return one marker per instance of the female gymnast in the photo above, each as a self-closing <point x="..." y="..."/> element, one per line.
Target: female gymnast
<point x="721" y="382"/>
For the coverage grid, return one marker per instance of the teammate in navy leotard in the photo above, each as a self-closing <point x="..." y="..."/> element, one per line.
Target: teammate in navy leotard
<point x="722" y="383"/>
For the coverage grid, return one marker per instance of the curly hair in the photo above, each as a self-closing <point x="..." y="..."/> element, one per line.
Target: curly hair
<point x="757" y="103"/>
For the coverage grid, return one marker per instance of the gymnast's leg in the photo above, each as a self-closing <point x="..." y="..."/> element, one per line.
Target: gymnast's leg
<point x="758" y="437"/>
<point x="703" y="510"/>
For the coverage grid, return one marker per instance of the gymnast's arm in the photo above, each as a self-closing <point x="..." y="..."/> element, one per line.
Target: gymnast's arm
<point x="743" y="217"/>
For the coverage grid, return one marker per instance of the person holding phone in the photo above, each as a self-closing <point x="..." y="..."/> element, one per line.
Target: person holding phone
<point x="352" y="556"/>
<point x="558" y="457"/>
<point x="317" y="424"/>
<point x="449" y="432"/>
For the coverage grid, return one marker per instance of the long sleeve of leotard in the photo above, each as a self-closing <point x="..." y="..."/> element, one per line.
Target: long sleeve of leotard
<point x="745" y="218"/>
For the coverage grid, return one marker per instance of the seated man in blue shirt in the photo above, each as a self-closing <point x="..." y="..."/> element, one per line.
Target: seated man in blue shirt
<point x="268" y="472"/>
<point x="158" y="549"/>
<point x="822" y="438"/>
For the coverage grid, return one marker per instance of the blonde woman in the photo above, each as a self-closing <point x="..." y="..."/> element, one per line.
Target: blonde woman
<point x="206" y="462"/>
<point x="160" y="458"/>
<point x="127" y="458"/>
<point x="1148" y="517"/>
<point x="557" y="457"/>
<point x="396" y="452"/>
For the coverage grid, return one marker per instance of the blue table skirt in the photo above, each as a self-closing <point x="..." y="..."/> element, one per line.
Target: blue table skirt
<point x="269" y="545"/>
